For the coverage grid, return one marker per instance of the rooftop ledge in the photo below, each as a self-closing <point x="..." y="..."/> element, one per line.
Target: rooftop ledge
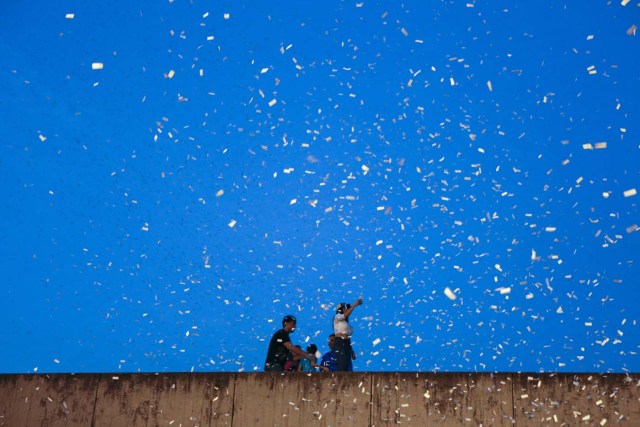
<point x="320" y="399"/>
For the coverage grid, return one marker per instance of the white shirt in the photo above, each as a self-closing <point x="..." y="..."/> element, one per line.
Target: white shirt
<point x="341" y="326"/>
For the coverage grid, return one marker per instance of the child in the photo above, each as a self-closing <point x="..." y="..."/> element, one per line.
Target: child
<point x="310" y="363"/>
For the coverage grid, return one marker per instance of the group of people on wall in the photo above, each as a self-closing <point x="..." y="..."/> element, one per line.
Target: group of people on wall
<point x="283" y="356"/>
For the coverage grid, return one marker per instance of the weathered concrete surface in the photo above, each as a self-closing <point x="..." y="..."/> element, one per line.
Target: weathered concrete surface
<point x="301" y="399"/>
<point x="339" y="399"/>
<point x="577" y="399"/>
<point x="57" y="400"/>
<point x="173" y="399"/>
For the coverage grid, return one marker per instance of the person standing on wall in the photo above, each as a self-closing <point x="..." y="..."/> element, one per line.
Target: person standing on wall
<point x="280" y="346"/>
<point x="343" y="332"/>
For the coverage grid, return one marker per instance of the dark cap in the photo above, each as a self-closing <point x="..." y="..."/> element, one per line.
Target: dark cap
<point x="288" y="318"/>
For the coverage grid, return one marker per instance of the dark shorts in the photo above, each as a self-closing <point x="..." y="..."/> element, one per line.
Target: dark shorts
<point x="342" y="348"/>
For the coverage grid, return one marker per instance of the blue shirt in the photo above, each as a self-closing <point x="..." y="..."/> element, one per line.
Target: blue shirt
<point x="329" y="360"/>
<point x="305" y="366"/>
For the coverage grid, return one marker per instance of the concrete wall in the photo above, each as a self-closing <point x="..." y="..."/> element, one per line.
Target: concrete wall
<point x="340" y="399"/>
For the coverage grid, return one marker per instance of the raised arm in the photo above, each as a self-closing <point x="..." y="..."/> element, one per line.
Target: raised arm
<point x="348" y="311"/>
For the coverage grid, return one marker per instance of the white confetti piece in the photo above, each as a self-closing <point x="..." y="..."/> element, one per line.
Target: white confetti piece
<point x="449" y="293"/>
<point x="219" y="193"/>
<point x="272" y="102"/>
<point x="97" y="66"/>
<point x="630" y="192"/>
<point x="226" y="16"/>
<point x="376" y="341"/>
<point x="70" y="16"/>
<point x="232" y="223"/>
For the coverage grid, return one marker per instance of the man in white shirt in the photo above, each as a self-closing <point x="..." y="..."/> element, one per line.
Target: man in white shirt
<point x="343" y="332"/>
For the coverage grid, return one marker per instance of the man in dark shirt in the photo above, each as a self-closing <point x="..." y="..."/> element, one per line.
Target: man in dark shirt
<point x="280" y="346"/>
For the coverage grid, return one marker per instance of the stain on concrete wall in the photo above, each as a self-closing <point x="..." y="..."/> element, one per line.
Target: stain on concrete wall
<point x="338" y="399"/>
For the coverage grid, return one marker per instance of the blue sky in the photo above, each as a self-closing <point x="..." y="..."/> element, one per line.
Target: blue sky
<point x="177" y="176"/>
